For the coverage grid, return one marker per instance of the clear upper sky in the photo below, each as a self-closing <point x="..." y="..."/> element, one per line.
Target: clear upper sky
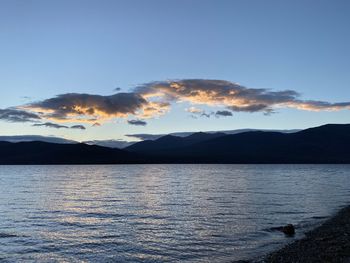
<point x="49" y="48"/>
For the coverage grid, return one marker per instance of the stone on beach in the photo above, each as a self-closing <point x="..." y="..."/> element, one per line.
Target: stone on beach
<point x="289" y="230"/>
<point x="329" y="242"/>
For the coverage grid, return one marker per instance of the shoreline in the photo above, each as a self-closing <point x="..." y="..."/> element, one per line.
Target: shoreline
<point x="329" y="242"/>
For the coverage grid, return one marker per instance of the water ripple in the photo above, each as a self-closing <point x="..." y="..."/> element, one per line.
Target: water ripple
<point x="160" y="213"/>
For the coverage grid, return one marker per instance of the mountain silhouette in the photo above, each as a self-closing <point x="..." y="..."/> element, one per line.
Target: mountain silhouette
<point x="54" y="153"/>
<point x="325" y="144"/>
<point x="171" y="142"/>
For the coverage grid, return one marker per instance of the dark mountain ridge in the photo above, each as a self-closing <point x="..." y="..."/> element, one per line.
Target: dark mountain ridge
<point x="170" y="142"/>
<point x="38" y="152"/>
<point x="325" y="144"/>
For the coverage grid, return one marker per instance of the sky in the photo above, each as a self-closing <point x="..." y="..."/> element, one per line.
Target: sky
<point x="88" y="70"/>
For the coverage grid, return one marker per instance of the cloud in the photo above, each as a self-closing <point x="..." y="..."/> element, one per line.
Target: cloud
<point x="232" y="96"/>
<point x="198" y="112"/>
<point x="155" y="99"/>
<point x="15" y="115"/>
<point x="223" y="113"/>
<point x="204" y="114"/>
<point x="201" y="113"/>
<point x="58" y="126"/>
<point x="194" y="110"/>
<point x="51" y="125"/>
<point x="137" y="122"/>
<point x="90" y="108"/>
<point x="96" y="124"/>
<point x="312" y="105"/>
<point x="80" y="127"/>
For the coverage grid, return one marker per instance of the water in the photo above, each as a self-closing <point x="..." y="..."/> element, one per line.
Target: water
<point x="161" y="213"/>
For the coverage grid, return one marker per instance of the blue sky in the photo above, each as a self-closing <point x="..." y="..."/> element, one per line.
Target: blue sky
<point x="49" y="48"/>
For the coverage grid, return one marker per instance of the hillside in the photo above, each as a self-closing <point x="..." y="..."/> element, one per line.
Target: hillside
<point x="325" y="144"/>
<point x="53" y="153"/>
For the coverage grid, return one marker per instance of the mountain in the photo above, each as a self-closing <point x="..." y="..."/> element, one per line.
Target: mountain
<point x="51" y="139"/>
<point x="170" y="142"/>
<point x="31" y="138"/>
<point x="53" y="153"/>
<point x="147" y="136"/>
<point x="110" y="143"/>
<point x="325" y="144"/>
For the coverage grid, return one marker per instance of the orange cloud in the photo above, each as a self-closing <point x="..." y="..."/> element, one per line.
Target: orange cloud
<point x="232" y="96"/>
<point x="91" y="108"/>
<point x="155" y="98"/>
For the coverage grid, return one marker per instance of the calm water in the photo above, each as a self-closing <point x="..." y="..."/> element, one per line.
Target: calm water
<point x="160" y="213"/>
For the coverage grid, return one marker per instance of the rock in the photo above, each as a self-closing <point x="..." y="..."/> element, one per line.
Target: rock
<point x="323" y="244"/>
<point x="289" y="230"/>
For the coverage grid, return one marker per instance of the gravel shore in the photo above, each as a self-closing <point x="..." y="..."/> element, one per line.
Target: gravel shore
<point x="330" y="242"/>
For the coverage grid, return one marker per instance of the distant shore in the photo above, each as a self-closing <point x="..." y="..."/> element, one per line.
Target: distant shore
<point x="329" y="242"/>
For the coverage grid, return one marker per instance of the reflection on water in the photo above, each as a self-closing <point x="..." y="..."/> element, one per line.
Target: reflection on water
<point x="160" y="213"/>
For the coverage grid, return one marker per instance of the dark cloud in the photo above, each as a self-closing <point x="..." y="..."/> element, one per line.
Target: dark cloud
<point x="195" y="113"/>
<point x="74" y="106"/>
<point x="51" y="125"/>
<point x="80" y="127"/>
<point x="117" y="89"/>
<point x="15" y="115"/>
<point x="204" y="114"/>
<point x="137" y="122"/>
<point x="223" y="113"/>
<point x="58" y="126"/>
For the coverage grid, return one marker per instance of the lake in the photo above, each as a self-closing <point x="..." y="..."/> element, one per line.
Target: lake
<point x="161" y="213"/>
